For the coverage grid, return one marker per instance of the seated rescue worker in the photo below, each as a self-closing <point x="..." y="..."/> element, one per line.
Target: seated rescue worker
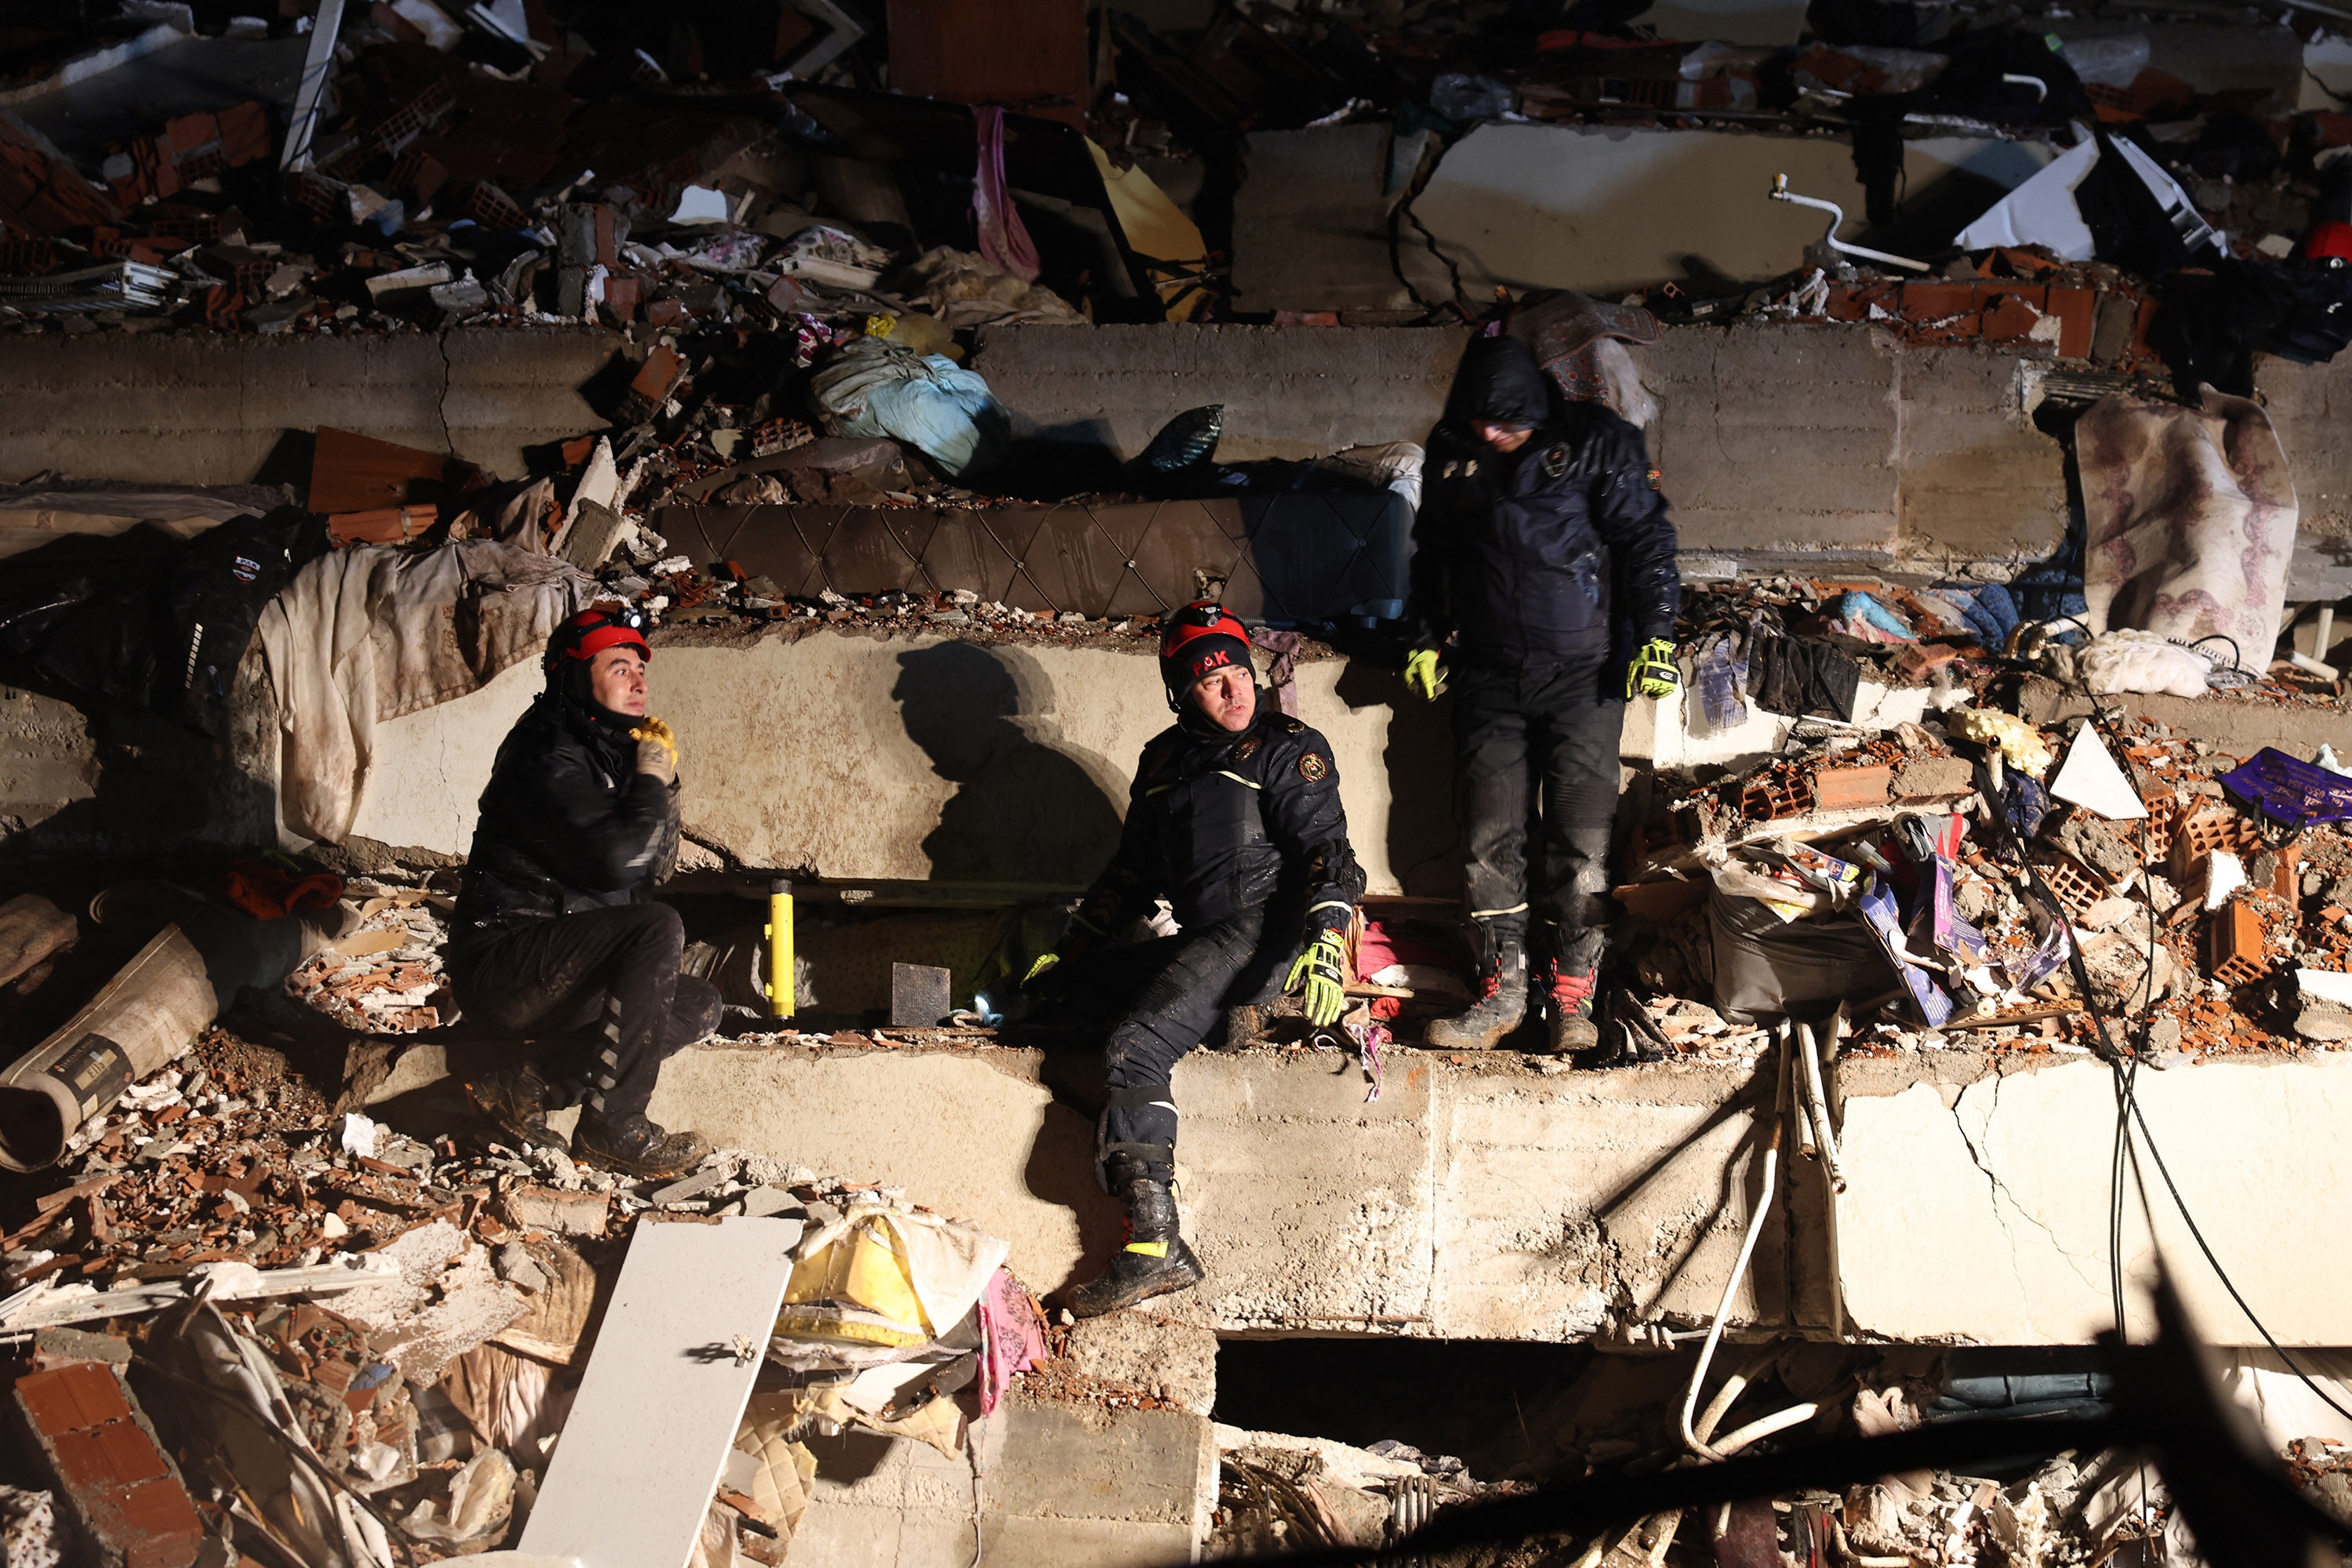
<point x="556" y="936"/>
<point x="1235" y="820"/>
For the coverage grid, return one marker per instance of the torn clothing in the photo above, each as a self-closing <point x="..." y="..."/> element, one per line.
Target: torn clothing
<point x="1220" y="823"/>
<point x="1539" y="758"/>
<point x="566" y="825"/>
<point x="600" y="990"/>
<point x="1189" y="982"/>
<point x="368" y="634"/>
<point x="1559" y="552"/>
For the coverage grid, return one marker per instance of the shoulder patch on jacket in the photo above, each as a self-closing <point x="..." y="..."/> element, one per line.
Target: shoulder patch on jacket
<point x="1313" y="768"/>
<point x="1556" y="459"/>
<point x="1291" y="726"/>
<point x="1657" y="478"/>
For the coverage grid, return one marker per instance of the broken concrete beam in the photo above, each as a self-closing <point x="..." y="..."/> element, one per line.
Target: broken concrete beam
<point x="120" y="1487"/>
<point x="32" y="929"/>
<point x="2317" y="1004"/>
<point x="920" y="995"/>
<point x="1175" y="1362"/>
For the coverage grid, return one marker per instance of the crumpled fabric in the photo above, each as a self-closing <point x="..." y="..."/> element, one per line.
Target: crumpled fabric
<point x="1012" y="1339"/>
<point x="1282" y="678"/>
<point x="876" y="387"/>
<point x="2130" y="661"/>
<point x="1004" y="240"/>
<point x="2191" y="517"/>
<point x="370" y="633"/>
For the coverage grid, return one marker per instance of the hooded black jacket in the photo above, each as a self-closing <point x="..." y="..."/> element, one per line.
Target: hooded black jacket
<point x="567" y="824"/>
<point x="1220" y="822"/>
<point x="1559" y="552"/>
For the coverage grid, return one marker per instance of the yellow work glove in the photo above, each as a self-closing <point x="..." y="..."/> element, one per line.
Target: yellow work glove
<point x="1423" y="674"/>
<point x="657" y="749"/>
<point x="1324" y="969"/>
<point x="1654" y="672"/>
<point x="1039" y="968"/>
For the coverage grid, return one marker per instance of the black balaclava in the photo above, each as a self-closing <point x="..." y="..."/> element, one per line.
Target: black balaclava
<point x="1498" y="381"/>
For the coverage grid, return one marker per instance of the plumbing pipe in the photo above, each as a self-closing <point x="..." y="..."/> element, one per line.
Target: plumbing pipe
<point x="2040" y="89"/>
<point x="1805" y="1144"/>
<point x="1771" y="1159"/>
<point x="1817" y="1106"/>
<point x="1764" y="1426"/>
<point x="1782" y="193"/>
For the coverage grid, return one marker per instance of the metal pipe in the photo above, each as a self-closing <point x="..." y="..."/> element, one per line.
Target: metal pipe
<point x="311" y="91"/>
<point x="1771" y="1159"/>
<point x="1782" y="193"/>
<point x="1817" y="1106"/>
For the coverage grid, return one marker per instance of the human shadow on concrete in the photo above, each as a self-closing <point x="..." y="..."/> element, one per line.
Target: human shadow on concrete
<point x="1025" y="808"/>
<point x="1423" y="843"/>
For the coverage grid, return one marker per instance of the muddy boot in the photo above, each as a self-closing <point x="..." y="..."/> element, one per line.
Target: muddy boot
<point x="635" y="1146"/>
<point x="1502" y="1003"/>
<point x="1155" y="1260"/>
<point x="1569" y="1028"/>
<point x="516" y="1101"/>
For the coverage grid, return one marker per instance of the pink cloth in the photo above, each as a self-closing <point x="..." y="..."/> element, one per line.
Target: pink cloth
<point x="1012" y="1340"/>
<point x="1004" y="243"/>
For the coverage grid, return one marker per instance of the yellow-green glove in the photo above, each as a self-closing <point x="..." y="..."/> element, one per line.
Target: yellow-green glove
<point x="1423" y="674"/>
<point x="1324" y="968"/>
<point x="1654" y="672"/>
<point x="1039" y="968"/>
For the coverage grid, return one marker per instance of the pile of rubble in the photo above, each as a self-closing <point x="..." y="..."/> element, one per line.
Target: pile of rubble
<point x="420" y="1314"/>
<point x="382" y="975"/>
<point x="1963" y="871"/>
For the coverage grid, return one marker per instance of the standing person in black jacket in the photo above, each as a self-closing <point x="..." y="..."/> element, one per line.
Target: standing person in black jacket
<point x="555" y="933"/>
<point x="1235" y="820"/>
<point x="1544" y="558"/>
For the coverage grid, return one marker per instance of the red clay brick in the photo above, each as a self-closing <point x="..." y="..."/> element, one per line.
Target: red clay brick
<point x="1840" y="789"/>
<point x="72" y="1397"/>
<point x="2077" y="312"/>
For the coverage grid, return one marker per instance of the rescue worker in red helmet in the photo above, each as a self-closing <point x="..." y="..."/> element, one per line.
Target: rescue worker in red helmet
<point x="1235" y="820"/>
<point x="556" y="936"/>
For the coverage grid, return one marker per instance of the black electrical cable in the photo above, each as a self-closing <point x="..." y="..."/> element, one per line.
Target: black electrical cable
<point x="2126" y="1069"/>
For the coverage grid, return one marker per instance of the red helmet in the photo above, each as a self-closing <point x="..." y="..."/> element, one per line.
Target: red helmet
<point x="1200" y="637"/>
<point x="594" y="629"/>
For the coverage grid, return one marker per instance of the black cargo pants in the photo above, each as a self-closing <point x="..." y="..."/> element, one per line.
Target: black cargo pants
<point x="600" y="991"/>
<point x="1537" y="752"/>
<point x="1180" y="986"/>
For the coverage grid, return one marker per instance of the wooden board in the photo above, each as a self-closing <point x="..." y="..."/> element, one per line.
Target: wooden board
<point x="647" y="1437"/>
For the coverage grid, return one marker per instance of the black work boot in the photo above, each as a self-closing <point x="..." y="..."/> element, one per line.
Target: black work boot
<point x="1502" y="1003"/>
<point x="1155" y="1260"/>
<point x="1569" y="1028"/>
<point x="517" y="1100"/>
<point x="635" y="1146"/>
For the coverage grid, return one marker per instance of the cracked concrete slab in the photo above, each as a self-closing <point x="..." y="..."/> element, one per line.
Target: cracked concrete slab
<point x="1479" y="1198"/>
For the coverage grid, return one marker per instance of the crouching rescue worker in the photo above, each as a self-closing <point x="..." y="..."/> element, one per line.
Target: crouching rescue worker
<point x="1235" y="820"/>
<point x="555" y="937"/>
<point x="1545" y="558"/>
